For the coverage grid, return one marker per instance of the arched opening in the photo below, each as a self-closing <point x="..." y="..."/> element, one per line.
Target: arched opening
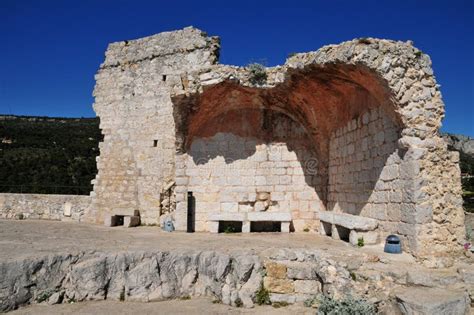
<point x="321" y="140"/>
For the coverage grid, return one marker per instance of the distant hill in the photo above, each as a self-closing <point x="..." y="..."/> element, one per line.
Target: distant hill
<point x="48" y="155"/>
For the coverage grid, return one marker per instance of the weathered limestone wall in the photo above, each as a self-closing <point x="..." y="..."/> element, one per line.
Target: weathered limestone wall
<point x="45" y="207"/>
<point x="250" y="155"/>
<point x="132" y="99"/>
<point x="364" y="171"/>
<point x="360" y="165"/>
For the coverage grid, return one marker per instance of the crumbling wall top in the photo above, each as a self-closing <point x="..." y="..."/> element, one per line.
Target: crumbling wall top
<point x="162" y="44"/>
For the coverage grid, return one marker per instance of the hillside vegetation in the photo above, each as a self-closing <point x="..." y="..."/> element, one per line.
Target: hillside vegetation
<point x="48" y="155"/>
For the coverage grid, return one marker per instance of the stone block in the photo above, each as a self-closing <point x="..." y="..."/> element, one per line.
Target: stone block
<point x="67" y="209"/>
<point x="246" y="227"/>
<point x="285" y="227"/>
<point x="348" y="221"/>
<point x="229" y="207"/>
<point x="389" y="172"/>
<point x="227" y="216"/>
<point x="110" y="220"/>
<point x="275" y="285"/>
<point x="307" y="286"/>
<point x="131" y="221"/>
<point x="260" y="206"/>
<point x="370" y="238"/>
<point x="301" y="271"/>
<point x="430" y="301"/>
<point x="213" y="226"/>
<point x="275" y="270"/>
<point x="335" y="233"/>
<point x="245" y="208"/>
<point x="269" y="216"/>
<point x="282" y="298"/>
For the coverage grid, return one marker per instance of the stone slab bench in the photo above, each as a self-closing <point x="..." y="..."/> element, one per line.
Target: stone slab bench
<point x="123" y="220"/>
<point x="246" y="218"/>
<point x="348" y="227"/>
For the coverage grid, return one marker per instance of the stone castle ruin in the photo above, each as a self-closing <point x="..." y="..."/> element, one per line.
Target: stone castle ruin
<point x="344" y="141"/>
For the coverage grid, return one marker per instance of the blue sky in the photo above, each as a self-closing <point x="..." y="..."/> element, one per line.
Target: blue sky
<point x="50" y="50"/>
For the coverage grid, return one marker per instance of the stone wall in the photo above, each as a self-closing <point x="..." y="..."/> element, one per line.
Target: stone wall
<point x="252" y="154"/>
<point x="361" y="165"/>
<point x="45" y="207"/>
<point x="364" y="171"/>
<point x="132" y="99"/>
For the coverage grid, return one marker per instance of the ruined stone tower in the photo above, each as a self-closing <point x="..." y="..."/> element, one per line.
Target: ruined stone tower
<point x="350" y="129"/>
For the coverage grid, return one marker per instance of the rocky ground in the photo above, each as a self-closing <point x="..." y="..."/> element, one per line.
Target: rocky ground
<point x="23" y="239"/>
<point x="49" y="262"/>
<point x="193" y="306"/>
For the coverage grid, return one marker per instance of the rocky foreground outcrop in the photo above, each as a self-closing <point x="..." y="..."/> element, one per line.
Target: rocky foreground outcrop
<point x="285" y="275"/>
<point x="133" y="276"/>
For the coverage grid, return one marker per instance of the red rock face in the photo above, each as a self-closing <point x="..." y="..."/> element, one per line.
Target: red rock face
<point x="321" y="99"/>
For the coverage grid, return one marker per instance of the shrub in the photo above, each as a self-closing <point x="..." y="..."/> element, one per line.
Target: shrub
<point x="263" y="296"/>
<point x="360" y="242"/>
<point x="280" y="304"/>
<point x="469" y="233"/>
<point x="306" y="230"/>
<point x="44" y="296"/>
<point x="365" y="41"/>
<point x="258" y="73"/>
<point x="349" y="305"/>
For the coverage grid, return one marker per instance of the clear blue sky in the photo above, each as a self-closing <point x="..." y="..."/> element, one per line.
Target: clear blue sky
<point x="50" y="50"/>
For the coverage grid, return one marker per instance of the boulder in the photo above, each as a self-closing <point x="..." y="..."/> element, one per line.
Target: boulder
<point x="424" y="301"/>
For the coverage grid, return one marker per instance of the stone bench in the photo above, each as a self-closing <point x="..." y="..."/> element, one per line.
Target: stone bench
<point x="247" y="218"/>
<point x="123" y="220"/>
<point x="344" y="226"/>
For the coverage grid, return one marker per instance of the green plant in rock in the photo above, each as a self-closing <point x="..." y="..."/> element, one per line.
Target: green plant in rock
<point x="306" y="230"/>
<point x="469" y="233"/>
<point x="280" y="304"/>
<point x="353" y="275"/>
<point x="263" y="296"/>
<point x="44" y="296"/>
<point x="258" y="73"/>
<point x="364" y="40"/>
<point x="360" y="242"/>
<point x="348" y="305"/>
<point x="229" y="229"/>
<point x="312" y="301"/>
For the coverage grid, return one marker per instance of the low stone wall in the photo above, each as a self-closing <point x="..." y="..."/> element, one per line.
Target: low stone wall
<point x="41" y="206"/>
